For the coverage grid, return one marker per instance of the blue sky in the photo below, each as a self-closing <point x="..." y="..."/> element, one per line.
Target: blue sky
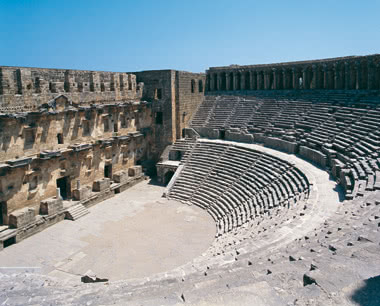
<point x="192" y="35"/>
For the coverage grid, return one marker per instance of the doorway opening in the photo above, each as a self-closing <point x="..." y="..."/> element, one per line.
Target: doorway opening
<point x="3" y="213"/>
<point x="9" y="241"/>
<point x="168" y="176"/>
<point x="63" y="184"/>
<point x="222" y="134"/>
<point x="60" y="138"/>
<point x="108" y="171"/>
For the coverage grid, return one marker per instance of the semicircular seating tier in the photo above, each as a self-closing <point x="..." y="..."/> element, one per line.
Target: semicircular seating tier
<point x="235" y="184"/>
<point x="339" y="131"/>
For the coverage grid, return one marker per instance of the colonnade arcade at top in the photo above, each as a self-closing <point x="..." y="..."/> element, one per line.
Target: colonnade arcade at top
<point x="345" y="73"/>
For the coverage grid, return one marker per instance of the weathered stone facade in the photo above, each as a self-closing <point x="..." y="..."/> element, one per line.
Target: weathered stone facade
<point x="175" y="97"/>
<point x="24" y="89"/>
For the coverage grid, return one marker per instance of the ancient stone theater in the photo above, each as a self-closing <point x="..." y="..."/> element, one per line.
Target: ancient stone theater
<point x="244" y="185"/>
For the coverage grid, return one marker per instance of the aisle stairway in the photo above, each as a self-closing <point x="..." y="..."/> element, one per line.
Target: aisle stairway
<point x="75" y="212"/>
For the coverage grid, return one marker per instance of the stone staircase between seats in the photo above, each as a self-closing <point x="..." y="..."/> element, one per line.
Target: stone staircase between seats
<point x="75" y="212"/>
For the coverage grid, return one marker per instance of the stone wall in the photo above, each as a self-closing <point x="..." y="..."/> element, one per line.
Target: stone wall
<point x="65" y="140"/>
<point x="33" y="132"/>
<point x="159" y="89"/>
<point x="27" y="181"/>
<point x="190" y="89"/>
<point x="175" y="96"/>
<point x="355" y="72"/>
<point x="24" y="89"/>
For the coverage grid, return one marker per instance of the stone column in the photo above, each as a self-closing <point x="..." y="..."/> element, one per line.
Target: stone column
<point x="251" y="80"/>
<point x="305" y="80"/>
<point x="275" y="78"/>
<point x="59" y="193"/>
<point x="235" y="80"/>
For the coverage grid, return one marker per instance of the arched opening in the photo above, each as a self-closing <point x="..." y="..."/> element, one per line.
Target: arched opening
<point x="223" y="85"/>
<point x="238" y="81"/>
<point x="271" y="81"/>
<point x="108" y="171"/>
<point x="3" y="213"/>
<point x="231" y="81"/>
<point x="247" y="80"/>
<point x="300" y="82"/>
<point x="168" y="176"/>
<point x="280" y="81"/>
<point x="200" y="86"/>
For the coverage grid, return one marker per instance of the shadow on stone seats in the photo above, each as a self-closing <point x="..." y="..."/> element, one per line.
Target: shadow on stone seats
<point x="340" y="192"/>
<point x="369" y="293"/>
<point x="339" y="189"/>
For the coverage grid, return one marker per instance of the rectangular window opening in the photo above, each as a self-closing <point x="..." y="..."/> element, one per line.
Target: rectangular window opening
<point x="60" y="138"/>
<point x="158" y="94"/>
<point x="159" y="118"/>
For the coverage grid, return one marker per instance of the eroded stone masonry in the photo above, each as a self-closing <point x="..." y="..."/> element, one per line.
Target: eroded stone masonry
<point x="71" y="137"/>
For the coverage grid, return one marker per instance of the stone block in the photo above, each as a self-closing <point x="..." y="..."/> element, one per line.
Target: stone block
<point x="280" y="144"/>
<point x="120" y="177"/>
<point x="101" y="184"/>
<point x="135" y="171"/>
<point x="82" y="193"/>
<point x="51" y="206"/>
<point x="21" y="217"/>
<point x="313" y="155"/>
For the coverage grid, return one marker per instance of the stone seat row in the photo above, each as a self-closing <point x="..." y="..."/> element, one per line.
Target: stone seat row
<point x="241" y="184"/>
<point x="336" y="125"/>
